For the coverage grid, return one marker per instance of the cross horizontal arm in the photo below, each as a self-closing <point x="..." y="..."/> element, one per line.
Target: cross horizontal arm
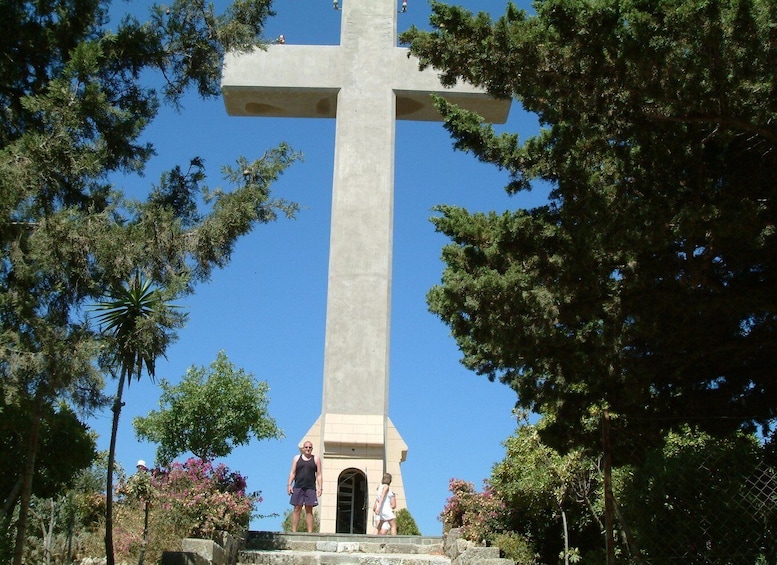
<point x="295" y="81"/>
<point x="302" y="81"/>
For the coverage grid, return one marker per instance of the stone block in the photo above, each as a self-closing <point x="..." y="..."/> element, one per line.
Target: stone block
<point x="457" y="548"/>
<point x="304" y="545"/>
<point x="229" y="544"/>
<point x="476" y="555"/>
<point x="210" y="550"/>
<point x="450" y="540"/>
<point x="183" y="558"/>
<point x="281" y="557"/>
<point x="429" y="549"/>
<point x="329" y="546"/>
<point x="348" y="547"/>
<point x="406" y="548"/>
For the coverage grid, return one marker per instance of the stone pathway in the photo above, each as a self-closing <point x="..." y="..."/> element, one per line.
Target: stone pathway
<point x="273" y="548"/>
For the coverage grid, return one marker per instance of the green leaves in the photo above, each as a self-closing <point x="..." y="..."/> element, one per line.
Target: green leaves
<point x="646" y="285"/>
<point x="192" y="40"/>
<point x="210" y="412"/>
<point x="140" y="323"/>
<point x="76" y="98"/>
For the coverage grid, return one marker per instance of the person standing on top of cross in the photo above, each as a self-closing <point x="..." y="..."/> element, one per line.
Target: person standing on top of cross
<point x="305" y="485"/>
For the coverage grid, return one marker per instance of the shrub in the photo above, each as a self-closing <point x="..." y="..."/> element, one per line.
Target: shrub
<point x="286" y="523"/>
<point x="452" y="515"/>
<point x="479" y="515"/>
<point x="516" y="547"/>
<point x="406" y="525"/>
<point x="191" y="499"/>
<point x="204" y="499"/>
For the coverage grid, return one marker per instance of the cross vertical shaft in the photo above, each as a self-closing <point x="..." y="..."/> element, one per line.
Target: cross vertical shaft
<point x="359" y="294"/>
<point x="366" y="83"/>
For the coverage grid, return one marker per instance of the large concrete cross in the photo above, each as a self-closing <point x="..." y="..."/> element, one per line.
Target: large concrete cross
<point x="366" y="83"/>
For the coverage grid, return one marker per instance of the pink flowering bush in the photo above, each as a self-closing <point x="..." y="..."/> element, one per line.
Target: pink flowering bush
<point x="204" y="498"/>
<point x="190" y="499"/>
<point x="479" y="515"/>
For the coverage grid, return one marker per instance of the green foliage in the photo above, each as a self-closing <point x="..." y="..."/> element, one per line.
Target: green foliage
<point x="551" y="497"/>
<point x="694" y="491"/>
<point x="139" y="325"/>
<point x="286" y="522"/>
<point x="77" y="96"/>
<point x="406" y="525"/>
<point x="545" y="490"/>
<point x="479" y="515"/>
<point x="208" y="413"/>
<point x="645" y="286"/>
<point x="67" y="448"/>
<point x="6" y="545"/>
<point x="531" y="495"/>
<point x="86" y="497"/>
<point x="516" y="547"/>
<point x="714" y="480"/>
<point x="190" y="499"/>
<point x="61" y="526"/>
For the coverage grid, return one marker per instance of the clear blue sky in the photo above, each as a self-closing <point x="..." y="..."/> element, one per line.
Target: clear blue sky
<point x="266" y="309"/>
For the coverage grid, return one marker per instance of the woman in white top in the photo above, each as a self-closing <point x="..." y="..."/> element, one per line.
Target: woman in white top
<point x="385" y="503"/>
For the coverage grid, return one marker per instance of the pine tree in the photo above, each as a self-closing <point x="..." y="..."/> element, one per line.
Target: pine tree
<point x="76" y="97"/>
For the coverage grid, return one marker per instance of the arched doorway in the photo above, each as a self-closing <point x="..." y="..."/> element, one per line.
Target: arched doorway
<point x="352" y="502"/>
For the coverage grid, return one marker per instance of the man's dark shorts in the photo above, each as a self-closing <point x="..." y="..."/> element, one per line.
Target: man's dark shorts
<point x="304" y="497"/>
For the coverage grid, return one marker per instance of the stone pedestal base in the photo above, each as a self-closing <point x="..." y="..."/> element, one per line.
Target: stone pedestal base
<point x="348" y="443"/>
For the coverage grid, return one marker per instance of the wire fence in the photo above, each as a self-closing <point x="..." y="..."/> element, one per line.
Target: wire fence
<point x="718" y="511"/>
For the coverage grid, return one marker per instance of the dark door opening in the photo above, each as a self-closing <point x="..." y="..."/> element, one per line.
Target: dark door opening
<point x="352" y="502"/>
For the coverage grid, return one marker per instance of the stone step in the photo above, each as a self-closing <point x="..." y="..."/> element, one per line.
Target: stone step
<point x="292" y="557"/>
<point x="344" y="543"/>
<point x="272" y="548"/>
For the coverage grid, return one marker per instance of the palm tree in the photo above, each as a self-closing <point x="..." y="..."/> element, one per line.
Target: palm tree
<point x="139" y="324"/>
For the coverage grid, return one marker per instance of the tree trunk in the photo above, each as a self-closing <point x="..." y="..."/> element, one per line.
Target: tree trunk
<point x="635" y="551"/>
<point x="27" y="475"/>
<point x="47" y="525"/>
<point x="71" y="519"/>
<point x="109" y="558"/>
<point x="609" y="506"/>
<point x="566" y="537"/>
<point x="145" y="533"/>
<point x="10" y="502"/>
